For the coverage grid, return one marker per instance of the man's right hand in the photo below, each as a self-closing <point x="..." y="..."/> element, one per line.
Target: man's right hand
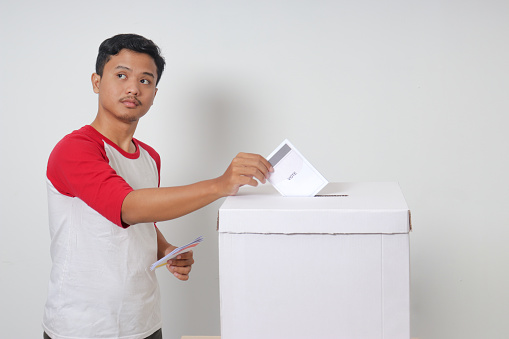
<point x="243" y="170"/>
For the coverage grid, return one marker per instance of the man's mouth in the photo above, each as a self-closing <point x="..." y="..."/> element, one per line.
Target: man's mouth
<point x="130" y="102"/>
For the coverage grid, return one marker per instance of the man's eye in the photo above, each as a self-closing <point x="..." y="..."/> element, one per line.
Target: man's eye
<point x="145" y="82"/>
<point x="122" y="76"/>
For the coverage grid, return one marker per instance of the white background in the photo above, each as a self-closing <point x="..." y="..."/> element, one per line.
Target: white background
<point x="407" y="91"/>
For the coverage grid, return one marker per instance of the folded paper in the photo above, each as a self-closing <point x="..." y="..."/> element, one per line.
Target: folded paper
<point x="176" y="252"/>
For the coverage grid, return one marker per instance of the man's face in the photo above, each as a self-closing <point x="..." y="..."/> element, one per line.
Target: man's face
<point x="127" y="87"/>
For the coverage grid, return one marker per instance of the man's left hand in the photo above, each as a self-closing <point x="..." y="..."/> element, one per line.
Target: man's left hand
<point x="180" y="266"/>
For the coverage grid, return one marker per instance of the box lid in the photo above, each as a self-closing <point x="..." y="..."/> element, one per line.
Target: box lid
<point x="340" y="208"/>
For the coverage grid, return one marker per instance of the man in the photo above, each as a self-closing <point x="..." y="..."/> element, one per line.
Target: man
<point x="104" y="197"/>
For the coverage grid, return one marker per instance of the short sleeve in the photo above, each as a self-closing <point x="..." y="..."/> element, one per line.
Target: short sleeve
<point x="78" y="167"/>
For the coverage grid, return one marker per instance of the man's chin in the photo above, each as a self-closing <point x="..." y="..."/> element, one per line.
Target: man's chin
<point x="128" y="118"/>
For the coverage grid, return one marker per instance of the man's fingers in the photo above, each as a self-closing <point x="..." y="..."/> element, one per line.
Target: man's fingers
<point x="180" y="272"/>
<point x="185" y="255"/>
<point x="245" y="169"/>
<point x="251" y="166"/>
<point x="180" y="266"/>
<point x="179" y="269"/>
<point x="184" y="259"/>
<point x="181" y="276"/>
<point x="181" y="262"/>
<point x="254" y="160"/>
<point x="245" y="174"/>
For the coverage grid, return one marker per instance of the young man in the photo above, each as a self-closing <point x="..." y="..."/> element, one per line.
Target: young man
<point x="104" y="197"/>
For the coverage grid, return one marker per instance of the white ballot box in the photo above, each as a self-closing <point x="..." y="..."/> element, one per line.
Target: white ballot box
<point x="331" y="266"/>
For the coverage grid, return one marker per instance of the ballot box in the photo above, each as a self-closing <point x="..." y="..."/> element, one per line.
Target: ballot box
<point x="331" y="266"/>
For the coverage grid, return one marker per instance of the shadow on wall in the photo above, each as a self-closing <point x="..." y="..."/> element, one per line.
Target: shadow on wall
<point x="207" y="131"/>
<point x="216" y="124"/>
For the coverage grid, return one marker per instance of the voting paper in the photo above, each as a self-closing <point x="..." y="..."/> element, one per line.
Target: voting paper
<point x="175" y="252"/>
<point x="293" y="175"/>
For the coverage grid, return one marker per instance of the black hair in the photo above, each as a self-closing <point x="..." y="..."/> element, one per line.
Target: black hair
<point x="133" y="42"/>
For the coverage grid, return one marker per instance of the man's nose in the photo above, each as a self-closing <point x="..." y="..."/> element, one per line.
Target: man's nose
<point x="133" y="87"/>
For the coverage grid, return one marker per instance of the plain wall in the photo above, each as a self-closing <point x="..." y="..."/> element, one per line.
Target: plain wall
<point x="407" y="91"/>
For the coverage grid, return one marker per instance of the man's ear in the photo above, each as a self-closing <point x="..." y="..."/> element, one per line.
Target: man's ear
<point x="96" y="80"/>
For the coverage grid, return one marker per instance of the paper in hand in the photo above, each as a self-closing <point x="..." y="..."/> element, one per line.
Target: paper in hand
<point x="293" y="175"/>
<point x="175" y="252"/>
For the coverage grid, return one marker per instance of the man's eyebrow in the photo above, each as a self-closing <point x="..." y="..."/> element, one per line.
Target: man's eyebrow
<point x="149" y="74"/>
<point x="128" y="69"/>
<point x="123" y="67"/>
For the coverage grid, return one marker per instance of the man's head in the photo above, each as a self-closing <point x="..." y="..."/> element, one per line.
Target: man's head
<point x="133" y="42"/>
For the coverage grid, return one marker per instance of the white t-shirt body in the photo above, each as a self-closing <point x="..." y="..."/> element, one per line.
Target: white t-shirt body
<point x="100" y="285"/>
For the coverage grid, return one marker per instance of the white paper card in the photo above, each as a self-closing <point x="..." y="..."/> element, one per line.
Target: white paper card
<point x="175" y="252"/>
<point x="293" y="175"/>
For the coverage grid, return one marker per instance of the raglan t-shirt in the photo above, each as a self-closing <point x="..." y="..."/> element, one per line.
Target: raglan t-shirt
<point x="100" y="284"/>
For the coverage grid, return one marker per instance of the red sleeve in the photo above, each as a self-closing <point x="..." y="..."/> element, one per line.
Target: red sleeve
<point x="78" y="167"/>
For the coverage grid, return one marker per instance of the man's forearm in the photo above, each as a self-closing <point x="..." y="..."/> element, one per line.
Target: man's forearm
<point x="162" y="244"/>
<point x="166" y="203"/>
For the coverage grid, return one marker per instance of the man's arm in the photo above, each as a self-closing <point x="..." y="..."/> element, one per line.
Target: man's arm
<point x="166" y="203"/>
<point x="179" y="266"/>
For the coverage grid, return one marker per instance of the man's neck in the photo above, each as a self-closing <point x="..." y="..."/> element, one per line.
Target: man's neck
<point x="119" y="133"/>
